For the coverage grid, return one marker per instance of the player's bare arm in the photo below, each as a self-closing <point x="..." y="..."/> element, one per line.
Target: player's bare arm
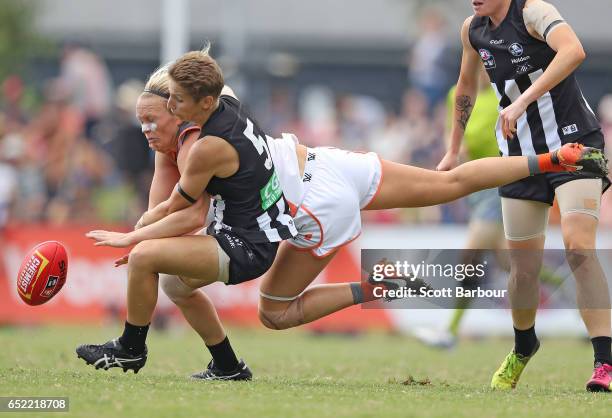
<point x="544" y="22"/>
<point x="167" y="174"/>
<point x="175" y="224"/>
<point x="465" y="97"/>
<point x="211" y="156"/>
<point x="165" y="177"/>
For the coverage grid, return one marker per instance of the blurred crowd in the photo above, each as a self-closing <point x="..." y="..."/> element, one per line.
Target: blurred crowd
<point x="79" y="156"/>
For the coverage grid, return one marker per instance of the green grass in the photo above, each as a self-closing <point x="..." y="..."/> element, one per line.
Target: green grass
<point x="298" y="375"/>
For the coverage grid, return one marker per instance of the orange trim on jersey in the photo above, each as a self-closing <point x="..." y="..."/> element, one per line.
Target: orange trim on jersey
<point x="292" y="207"/>
<point x="181" y="138"/>
<point x="382" y="176"/>
<point x="320" y="229"/>
<point x="186" y="130"/>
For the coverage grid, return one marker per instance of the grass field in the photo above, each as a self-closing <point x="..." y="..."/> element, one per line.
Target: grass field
<point x="298" y="375"/>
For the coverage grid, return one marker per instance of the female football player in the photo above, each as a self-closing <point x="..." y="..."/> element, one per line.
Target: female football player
<point x="326" y="189"/>
<point x="530" y="54"/>
<point x="251" y="213"/>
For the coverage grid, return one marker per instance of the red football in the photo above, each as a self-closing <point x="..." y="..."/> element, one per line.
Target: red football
<point x="42" y="273"/>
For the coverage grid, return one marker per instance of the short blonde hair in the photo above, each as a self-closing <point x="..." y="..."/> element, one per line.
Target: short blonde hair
<point x="198" y="73"/>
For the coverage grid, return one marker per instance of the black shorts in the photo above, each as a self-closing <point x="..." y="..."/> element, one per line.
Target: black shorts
<point x="541" y="187"/>
<point x="248" y="260"/>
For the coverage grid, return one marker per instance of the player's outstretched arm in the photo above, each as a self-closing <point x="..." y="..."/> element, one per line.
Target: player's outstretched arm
<point x="176" y="224"/>
<point x="544" y="22"/>
<point x="465" y="97"/>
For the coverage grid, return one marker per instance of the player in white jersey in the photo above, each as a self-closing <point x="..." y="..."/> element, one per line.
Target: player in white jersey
<point x="335" y="186"/>
<point x="327" y="188"/>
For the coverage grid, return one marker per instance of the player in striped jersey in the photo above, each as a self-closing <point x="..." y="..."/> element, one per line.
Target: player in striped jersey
<point x="328" y="187"/>
<point x="229" y="162"/>
<point x="530" y="54"/>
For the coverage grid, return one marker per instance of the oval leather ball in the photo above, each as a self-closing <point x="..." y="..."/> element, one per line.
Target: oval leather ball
<point x="42" y="273"/>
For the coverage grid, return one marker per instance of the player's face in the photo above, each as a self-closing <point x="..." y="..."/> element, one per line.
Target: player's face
<point x="181" y="104"/>
<point x="158" y="125"/>
<point x="486" y="7"/>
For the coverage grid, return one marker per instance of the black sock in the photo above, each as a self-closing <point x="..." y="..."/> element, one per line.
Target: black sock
<point x="223" y="355"/>
<point x="133" y="338"/>
<point x="357" y="293"/>
<point x="525" y="341"/>
<point x="601" y="349"/>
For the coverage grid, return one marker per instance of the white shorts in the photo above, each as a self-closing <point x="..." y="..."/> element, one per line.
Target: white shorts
<point x="337" y="185"/>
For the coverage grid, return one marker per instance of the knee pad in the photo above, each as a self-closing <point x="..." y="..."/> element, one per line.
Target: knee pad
<point x="291" y="316"/>
<point x="175" y="288"/>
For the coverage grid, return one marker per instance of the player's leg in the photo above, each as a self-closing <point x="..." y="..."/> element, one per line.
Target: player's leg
<point x="579" y="202"/>
<point x="482" y="234"/>
<point x="524" y="224"/>
<point x="196" y="307"/>
<point x="200" y="313"/>
<point x="406" y="186"/>
<point x="188" y="256"/>
<point x="485" y="231"/>
<point x="286" y="300"/>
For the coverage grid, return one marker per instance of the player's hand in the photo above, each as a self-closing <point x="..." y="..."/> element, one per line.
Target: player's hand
<point x="110" y="239"/>
<point x="450" y="161"/>
<point x="509" y="116"/>
<point x="121" y="261"/>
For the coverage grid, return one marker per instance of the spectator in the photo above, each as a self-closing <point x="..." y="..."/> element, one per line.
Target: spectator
<point x="120" y="134"/>
<point x="428" y="71"/>
<point x="87" y="78"/>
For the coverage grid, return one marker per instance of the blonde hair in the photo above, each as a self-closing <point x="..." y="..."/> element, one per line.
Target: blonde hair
<point x="198" y="73"/>
<point x="158" y="82"/>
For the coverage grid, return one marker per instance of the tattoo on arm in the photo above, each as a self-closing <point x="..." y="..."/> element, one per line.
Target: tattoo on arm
<point x="464" y="106"/>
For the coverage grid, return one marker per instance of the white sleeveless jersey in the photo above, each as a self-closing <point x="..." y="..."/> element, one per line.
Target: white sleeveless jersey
<point x="286" y="166"/>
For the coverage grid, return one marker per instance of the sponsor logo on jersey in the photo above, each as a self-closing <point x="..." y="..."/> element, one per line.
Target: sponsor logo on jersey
<point x="271" y="192"/>
<point x="516" y="49"/>
<point x="570" y="129"/>
<point x="524" y="68"/>
<point x="496" y="41"/>
<point x="233" y="241"/>
<point x="521" y="59"/>
<point x="487" y="58"/>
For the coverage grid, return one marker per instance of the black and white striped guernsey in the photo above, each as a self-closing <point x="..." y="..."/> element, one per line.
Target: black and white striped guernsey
<point x="250" y="203"/>
<point x="514" y="60"/>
